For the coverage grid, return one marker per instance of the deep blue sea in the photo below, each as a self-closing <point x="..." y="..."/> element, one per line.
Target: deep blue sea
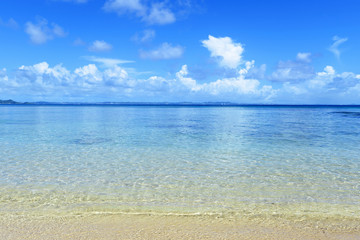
<point x="230" y="161"/>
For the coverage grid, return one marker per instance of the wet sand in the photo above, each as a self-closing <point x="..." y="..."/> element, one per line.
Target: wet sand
<point x="123" y="226"/>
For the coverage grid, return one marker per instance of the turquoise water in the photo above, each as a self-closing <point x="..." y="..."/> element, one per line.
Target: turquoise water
<point x="180" y="160"/>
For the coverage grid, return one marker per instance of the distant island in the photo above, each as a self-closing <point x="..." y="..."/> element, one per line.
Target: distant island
<point x="8" y="102"/>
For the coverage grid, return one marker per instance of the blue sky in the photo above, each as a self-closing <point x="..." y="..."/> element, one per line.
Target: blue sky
<point x="296" y="52"/>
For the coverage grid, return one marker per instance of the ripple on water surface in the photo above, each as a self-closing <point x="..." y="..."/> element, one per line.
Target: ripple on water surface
<point x="252" y="161"/>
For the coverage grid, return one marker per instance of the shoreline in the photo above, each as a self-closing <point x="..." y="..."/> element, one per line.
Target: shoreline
<point x="145" y="226"/>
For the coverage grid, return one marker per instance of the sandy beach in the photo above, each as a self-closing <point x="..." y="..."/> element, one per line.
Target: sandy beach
<point x="124" y="226"/>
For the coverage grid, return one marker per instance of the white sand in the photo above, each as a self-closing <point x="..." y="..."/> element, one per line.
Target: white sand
<point x="124" y="226"/>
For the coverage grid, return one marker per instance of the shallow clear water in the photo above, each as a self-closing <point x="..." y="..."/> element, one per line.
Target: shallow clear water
<point x="235" y="160"/>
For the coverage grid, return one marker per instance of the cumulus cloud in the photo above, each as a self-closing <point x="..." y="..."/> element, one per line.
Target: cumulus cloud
<point x="114" y="83"/>
<point x="238" y="86"/>
<point x="334" y="48"/>
<point x="117" y="76"/>
<point x="326" y="87"/>
<point x="42" y="74"/>
<point x="156" y="85"/>
<point x="155" y="13"/>
<point x="302" y="84"/>
<point x="165" y="51"/>
<point x="100" y="46"/>
<point x="88" y="74"/>
<point x="225" y="50"/>
<point x="187" y="81"/>
<point x="322" y="78"/>
<point x="297" y="82"/>
<point x="40" y="32"/>
<point x="89" y="79"/>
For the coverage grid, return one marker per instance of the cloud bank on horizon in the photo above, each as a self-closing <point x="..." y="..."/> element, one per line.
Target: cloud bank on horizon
<point x="112" y="80"/>
<point x="212" y="67"/>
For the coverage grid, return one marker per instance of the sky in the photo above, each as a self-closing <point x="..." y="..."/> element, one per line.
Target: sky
<point x="260" y="52"/>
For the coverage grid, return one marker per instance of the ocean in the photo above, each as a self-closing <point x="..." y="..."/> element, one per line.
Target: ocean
<point x="297" y="162"/>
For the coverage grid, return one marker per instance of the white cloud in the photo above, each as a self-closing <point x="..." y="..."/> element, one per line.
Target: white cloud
<point x="334" y="48"/>
<point x="303" y="57"/>
<point x="145" y="36"/>
<point x="303" y="85"/>
<point x="238" y="86"/>
<point x="89" y="74"/>
<point x="157" y="13"/>
<point x="165" y="51"/>
<point x="322" y="78"/>
<point x="116" y="76"/>
<point x="100" y="46"/>
<point x="42" y="75"/>
<point x="107" y="62"/>
<point x="114" y="83"/>
<point x="228" y="52"/>
<point x="186" y="81"/>
<point x="328" y="70"/>
<point x="41" y="32"/>
<point x="87" y="77"/>
<point x="41" y="79"/>
<point x="326" y="87"/>
<point x="155" y="85"/>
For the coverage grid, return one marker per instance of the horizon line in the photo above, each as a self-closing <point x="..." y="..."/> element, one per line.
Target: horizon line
<point x="140" y="103"/>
